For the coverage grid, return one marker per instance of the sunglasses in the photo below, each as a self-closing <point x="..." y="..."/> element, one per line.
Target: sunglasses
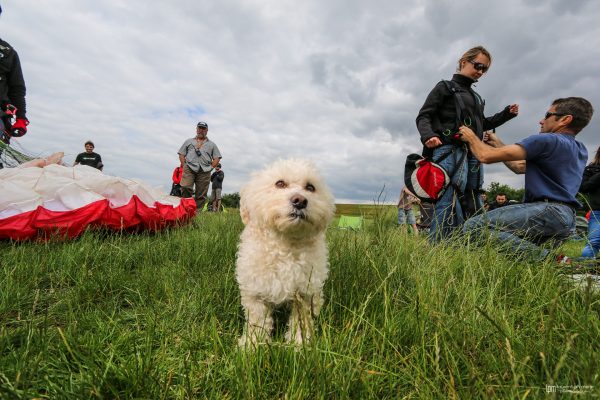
<point x="480" y="66"/>
<point x="549" y="114"/>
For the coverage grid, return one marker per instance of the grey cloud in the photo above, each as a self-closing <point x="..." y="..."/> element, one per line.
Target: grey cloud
<point x="339" y="82"/>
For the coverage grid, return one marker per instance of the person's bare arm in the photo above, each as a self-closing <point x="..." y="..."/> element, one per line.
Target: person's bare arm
<point x="215" y="161"/>
<point x="518" y="167"/>
<point x="181" y="159"/>
<point x="488" y="154"/>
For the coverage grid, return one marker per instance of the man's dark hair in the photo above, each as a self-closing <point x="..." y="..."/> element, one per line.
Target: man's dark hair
<point x="89" y="142"/>
<point x="501" y="194"/>
<point x="579" y="108"/>
<point x="597" y="157"/>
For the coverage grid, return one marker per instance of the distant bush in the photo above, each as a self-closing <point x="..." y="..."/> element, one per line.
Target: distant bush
<point x="231" y="200"/>
<point x="511" y="193"/>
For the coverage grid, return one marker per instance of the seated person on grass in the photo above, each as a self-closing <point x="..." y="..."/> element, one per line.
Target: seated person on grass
<point x="553" y="163"/>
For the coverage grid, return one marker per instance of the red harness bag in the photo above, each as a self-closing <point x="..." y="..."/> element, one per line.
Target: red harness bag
<point x="177" y="174"/>
<point x="426" y="179"/>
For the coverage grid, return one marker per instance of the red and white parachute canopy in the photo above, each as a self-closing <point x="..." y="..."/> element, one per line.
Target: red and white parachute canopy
<point x="41" y="201"/>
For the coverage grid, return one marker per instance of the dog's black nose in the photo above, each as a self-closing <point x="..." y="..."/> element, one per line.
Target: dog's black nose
<point x="299" y="202"/>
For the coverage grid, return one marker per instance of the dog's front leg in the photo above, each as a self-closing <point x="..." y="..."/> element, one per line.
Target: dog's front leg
<point x="301" y="324"/>
<point x="259" y="322"/>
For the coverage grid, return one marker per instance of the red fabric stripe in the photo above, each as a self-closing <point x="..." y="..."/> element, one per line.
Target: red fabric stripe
<point x="43" y="223"/>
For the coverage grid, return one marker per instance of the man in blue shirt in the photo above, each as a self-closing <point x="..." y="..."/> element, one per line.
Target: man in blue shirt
<point x="553" y="163"/>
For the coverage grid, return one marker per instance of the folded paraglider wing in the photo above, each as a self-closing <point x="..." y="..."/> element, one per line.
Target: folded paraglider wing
<point x="58" y="200"/>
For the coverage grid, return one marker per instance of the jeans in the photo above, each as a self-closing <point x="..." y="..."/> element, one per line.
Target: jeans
<point x="448" y="214"/>
<point x="593" y="244"/>
<point x="520" y="228"/>
<point x="406" y="216"/>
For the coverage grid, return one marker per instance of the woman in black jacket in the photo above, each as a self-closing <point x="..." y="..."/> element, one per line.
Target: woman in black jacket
<point x="448" y="106"/>
<point x="590" y="186"/>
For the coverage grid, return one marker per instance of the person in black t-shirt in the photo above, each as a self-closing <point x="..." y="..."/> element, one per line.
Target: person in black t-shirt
<point x="217" y="185"/>
<point x="89" y="157"/>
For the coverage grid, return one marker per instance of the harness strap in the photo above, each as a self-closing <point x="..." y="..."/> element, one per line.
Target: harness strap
<point x="458" y="103"/>
<point x="460" y="162"/>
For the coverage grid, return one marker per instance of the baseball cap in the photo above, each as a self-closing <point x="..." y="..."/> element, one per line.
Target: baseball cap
<point x="202" y="125"/>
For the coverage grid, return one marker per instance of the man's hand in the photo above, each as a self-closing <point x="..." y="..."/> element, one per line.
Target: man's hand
<point x="514" y="109"/>
<point x="466" y="134"/>
<point x="215" y="161"/>
<point x="490" y="138"/>
<point x="433" y="142"/>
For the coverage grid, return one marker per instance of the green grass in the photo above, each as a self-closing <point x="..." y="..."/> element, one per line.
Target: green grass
<point x="157" y="316"/>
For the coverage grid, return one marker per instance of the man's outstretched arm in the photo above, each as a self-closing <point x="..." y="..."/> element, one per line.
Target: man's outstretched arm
<point x="518" y="167"/>
<point x="512" y="155"/>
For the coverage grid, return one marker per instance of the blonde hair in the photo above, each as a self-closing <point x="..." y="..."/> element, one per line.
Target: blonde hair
<point x="472" y="53"/>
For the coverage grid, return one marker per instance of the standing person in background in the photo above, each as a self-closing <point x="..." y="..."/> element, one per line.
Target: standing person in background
<point x="590" y="186"/>
<point x="198" y="156"/>
<point x="89" y="158"/>
<point x="448" y="106"/>
<point x="484" y="201"/>
<point x="216" y="180"/>
<point x="12" y="95"/>
<point x="406" y="213"/>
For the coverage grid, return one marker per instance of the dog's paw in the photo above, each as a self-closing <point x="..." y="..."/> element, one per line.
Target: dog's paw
<point x="297" y="337"/>
<point x="251" y="342"/>
<point x="244" y="343"/>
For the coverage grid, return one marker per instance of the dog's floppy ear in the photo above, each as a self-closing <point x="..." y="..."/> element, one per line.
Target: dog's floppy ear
<point x="244" y="214"/>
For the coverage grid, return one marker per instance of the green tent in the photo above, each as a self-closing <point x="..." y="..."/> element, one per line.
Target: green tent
<point x="350" y="222"/>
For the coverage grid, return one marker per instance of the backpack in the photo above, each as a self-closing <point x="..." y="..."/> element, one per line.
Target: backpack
<point x="426" y="178"/>
<point x="177" y="174"/>
<point x="176" y="190"/>
<point x="176" y="187"/>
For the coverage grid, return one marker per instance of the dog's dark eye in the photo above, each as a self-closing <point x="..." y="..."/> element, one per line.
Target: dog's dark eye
<point x="310" y="187"/>
<point x="281" y="184"/>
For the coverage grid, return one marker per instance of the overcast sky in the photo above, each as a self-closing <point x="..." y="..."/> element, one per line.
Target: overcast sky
<point x="336" y="81"/>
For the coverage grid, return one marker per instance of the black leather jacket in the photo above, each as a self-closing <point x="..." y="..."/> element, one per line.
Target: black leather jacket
<point x="590" y="185"/>
<point x="12" y="84"/>
<point x="438" y="113"/>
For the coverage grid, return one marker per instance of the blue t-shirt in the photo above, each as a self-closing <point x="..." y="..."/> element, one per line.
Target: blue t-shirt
<point x="555" y="163"/>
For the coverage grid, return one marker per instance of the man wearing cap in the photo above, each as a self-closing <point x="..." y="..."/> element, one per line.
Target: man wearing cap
<point x="216" y="180"/>
<point x="198" y="156"/>
<point x="89" y="158"/>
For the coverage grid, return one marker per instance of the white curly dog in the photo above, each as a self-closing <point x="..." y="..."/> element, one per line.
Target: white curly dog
<point x="282" y="255"/>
